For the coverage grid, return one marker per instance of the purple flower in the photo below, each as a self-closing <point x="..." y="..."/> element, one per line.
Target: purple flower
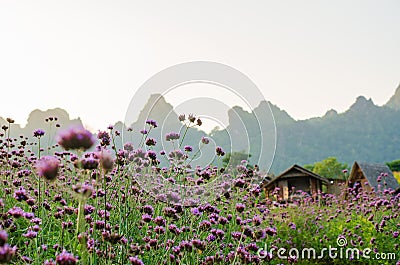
<point x="146" y="217"/>
<point x="128" y="146"/>
<point x="7" y="253"/>
<point x="3" y="237"/>
<point x="152" y="123"/>
<point x="136" y="261"/>
<point x="104" y="138"/>
<point x="240" y="207"/>
<point x="152" y="155"/>
<point x="195" y="211"/>
<point x="205" y="140"/>
<point x="191" y="118"/>
<point x="30" y="234"/>
<point x="38" y="133"/>
<point x="47" y="167"/>
<point x="90" y="161"/>
<point x="20" y="194"/>
<point x="151" y="142"/>
<point x="270" y="231"/>
<point x="395" y="234"/>
<point x="188" y="148"/>
<point x="65" y="258"/>
<point x="106" y="160"/>
<point x="148" y="209"/>
<point x="219" y="151"/>
<point x="211" y="238"/>
<point x="172" y="136"/>
<point x="159" y="230"/>
<point x="76" y="137"/>
<point x="16" y="212"/>
<point x="292" y="225"/>
<point x="159" y="220"/>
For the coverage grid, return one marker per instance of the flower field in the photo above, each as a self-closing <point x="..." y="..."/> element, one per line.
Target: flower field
<point x="75" y="206"/>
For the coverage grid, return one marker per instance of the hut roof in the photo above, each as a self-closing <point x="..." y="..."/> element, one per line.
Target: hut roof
<point x="296" y="171"/>
<point x="372" y="171"/>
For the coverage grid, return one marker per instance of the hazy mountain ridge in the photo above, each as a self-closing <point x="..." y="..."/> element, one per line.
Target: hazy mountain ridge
<point x="364" y="132"/>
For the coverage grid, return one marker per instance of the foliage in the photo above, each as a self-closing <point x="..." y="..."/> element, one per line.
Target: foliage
<point x="329" y="168"/>
<point x="394" y="165"/>
<point x="397" y="176"/>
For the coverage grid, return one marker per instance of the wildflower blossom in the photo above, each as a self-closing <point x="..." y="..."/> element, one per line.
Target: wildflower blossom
<point x="65" y="258"/>
<point x="38" y="133"/>
<point x="172" y="136"/>
<point x="76" y="137"/>
<point x="48" y="167"/>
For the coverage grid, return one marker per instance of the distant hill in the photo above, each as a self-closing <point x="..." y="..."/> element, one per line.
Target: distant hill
<point x="365" y="132"/>
<point x="394" y="101"/>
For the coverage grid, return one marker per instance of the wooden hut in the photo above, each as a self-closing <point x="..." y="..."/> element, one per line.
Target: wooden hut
<point x="336" y="185"/>
<point x="372" y="175"/>
<point x="294" y="179"/>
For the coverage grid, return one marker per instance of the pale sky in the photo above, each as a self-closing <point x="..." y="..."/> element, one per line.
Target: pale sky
<point x="89" y="57"/>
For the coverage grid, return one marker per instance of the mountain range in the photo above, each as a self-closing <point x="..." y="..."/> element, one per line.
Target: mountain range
<point x="365" y="132"/>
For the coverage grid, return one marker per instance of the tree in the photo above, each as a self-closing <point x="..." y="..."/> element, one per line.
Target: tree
<point x="394" y="165"/>
<point x="330" y="168"/>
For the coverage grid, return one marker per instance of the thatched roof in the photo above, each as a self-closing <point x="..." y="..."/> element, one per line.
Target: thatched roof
<point x="296" y="171"/>
<point x="372" y="171"/>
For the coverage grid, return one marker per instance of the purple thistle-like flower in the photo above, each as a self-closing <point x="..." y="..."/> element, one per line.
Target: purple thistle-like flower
<point x="136" y="261"/>
<point x="152" y="123"/>
<point x="211" y="238"/>
<point x="30" y="234"/>
<point x="90" y="162"/>
<point x="191" y="118"/>
<point x="152" y="155"/>
<point x="16" y="212"/>
<point x="128" y="146"/>
<point x="144" y="131"/>
<point x="3" y="237"/>
<point x="195" y="211"/>
<point x="65" y="258"/>
<point x="47" y="167"/>
<point x="188" y="148"/>
<point x="146" y="217"/>
<point x="38" y="133"/>
<point x="219" y="151"/>
<point x="395" y="234"/>
<point x="240" y="207"/>
<point x="151" y="142"/>
<point x="7" y="253"/>
<point x="159" y="230"/>
<point x="104" y="138"/>
<point x="205" y="140"/>
<point x="270" y="231"/>
<point x="106" y="160"/>
<point x="172" y="136"/>
<point x="20" y="194"/>
<point x="148" y="209"/>
<point x="76" y="137"/>
<point x="159" y="220"/>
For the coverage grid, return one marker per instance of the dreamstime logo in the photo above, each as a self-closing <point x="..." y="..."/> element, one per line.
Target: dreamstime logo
<point x="341" y="241"/>
<point x="330" y="252"/>
<point x="203" y="88"/>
